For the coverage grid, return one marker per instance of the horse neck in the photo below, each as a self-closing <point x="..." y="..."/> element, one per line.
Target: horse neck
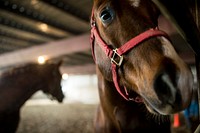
<point x="18" y="88"/>
<point x="33" y="83"/>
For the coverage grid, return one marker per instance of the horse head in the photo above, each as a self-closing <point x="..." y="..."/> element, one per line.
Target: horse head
<point x="147" y="65"/>
<point x="52" y="77"/>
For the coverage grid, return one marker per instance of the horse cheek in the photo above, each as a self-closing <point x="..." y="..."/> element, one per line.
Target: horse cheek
<point x="103" y="63"/>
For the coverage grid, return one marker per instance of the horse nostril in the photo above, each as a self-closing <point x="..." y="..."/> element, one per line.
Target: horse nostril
<point x="165" y="89"/>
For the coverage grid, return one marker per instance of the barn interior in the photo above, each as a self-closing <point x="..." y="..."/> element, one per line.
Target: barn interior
<point x="54" y="30"/>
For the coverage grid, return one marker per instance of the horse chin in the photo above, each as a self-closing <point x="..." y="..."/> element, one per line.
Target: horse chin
<point x="152" y="110"/>
<point x="163" y="108"/>
<point x="59" y="98"/>
<point x="156" y="111"/>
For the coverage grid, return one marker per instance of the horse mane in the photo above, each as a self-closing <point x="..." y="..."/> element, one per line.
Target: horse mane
<point x="21" y="68"/>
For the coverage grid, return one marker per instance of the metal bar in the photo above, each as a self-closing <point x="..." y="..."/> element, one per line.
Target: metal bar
<point x="198" y="80"/>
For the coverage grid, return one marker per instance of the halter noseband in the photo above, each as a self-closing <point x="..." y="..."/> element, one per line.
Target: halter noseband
<point x="116" y="55"/>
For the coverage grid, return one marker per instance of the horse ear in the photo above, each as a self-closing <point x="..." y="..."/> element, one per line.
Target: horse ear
<point x="156" y="12"/>
<point x="59" y="63"/>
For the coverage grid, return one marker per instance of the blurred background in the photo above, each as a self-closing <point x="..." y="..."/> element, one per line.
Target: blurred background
<point x="40" y="30"/>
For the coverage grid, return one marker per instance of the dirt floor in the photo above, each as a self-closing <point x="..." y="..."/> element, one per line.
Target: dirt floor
<point x="62" y="118"/>
<point x="57" y="118"/>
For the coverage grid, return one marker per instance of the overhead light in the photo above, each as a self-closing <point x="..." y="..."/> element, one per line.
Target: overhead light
<point x="65" y="76"/>
<point x="34" y="2"/>
<point x="43" y="27"/>
<point x="42" y="59"/>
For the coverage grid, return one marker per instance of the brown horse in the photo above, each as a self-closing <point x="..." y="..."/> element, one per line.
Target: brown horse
<point x="19" y="84"/>
<point x="141" y="78"/>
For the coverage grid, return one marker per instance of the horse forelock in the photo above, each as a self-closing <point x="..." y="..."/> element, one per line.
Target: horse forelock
<point x="135" y="3"/>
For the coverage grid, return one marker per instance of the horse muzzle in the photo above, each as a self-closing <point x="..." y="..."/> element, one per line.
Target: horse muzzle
<point x="173" y="88"/>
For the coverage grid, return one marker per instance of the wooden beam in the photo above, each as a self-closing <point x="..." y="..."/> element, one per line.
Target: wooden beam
<point x="79" y="70"/>
<point x="50" y="50"/>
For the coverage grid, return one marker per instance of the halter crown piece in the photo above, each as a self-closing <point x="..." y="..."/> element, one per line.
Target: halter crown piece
<point x="116" y="55"/>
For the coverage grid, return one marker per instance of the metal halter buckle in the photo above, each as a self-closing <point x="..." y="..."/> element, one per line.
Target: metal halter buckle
<point x="93" y="23"/>
<point x="116" y="58"/>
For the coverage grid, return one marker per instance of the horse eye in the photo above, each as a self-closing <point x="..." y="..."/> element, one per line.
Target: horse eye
<point x="107" y="15"/>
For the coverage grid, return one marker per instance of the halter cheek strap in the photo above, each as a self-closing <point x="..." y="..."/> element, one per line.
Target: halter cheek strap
<point x="116" y="55"/>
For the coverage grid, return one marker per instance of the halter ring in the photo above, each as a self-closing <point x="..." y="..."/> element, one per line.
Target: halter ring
<point x="116" y="58"/>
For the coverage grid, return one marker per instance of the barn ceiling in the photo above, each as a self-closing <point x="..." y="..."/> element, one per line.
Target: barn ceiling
<point x="31" y="23"/>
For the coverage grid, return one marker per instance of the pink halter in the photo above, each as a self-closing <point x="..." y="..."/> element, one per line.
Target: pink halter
<point x="114" y="54"/>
